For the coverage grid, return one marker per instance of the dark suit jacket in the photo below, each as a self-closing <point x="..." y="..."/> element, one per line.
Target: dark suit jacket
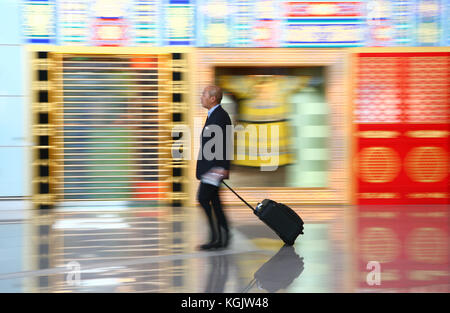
<point x="220" y="118"/>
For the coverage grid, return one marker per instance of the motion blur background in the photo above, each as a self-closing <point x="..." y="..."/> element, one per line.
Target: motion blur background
<point x="90" y="92"/>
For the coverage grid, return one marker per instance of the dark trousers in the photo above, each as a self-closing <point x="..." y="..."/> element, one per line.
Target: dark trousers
<point x="208" y="196"/>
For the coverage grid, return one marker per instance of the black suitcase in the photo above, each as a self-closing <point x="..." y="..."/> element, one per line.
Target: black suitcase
<point x="279" y="217"/>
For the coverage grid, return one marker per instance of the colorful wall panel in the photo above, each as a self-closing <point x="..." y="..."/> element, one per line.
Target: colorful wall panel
<point x="407" y="23"/>
<point x="267" y="23"/>
<point x="447" y="25"/>
<point x="109" y="24"/>
<point x="401" y="121"/>
<point x="237" y="23"/>
<point x="179" y="23"/>
<point x="327" y="23"/>
<point x="39" y="21"/>
<point x="214" y="23"/>
<point x="403" y="21"/>
<point x="74" y="22"/>
<point x="242" y="23"/>
<point x="146" y="20"/>
<point x="431" y="15"/>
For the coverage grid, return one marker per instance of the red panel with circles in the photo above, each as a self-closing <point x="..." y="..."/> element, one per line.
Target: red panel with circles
<point x="402" y="128"/>
<point x="411" y="248"/>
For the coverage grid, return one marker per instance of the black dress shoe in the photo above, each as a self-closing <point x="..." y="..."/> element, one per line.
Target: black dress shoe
<point x="224" y="238"/>
<point x="210" y="245"/>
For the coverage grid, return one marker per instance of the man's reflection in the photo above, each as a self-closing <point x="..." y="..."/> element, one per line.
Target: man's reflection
<point x="218" y="273"/>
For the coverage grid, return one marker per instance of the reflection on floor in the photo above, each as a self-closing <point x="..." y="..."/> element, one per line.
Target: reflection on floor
<point x="125" y="247"/>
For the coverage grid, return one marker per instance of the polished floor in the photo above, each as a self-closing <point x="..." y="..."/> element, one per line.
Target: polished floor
<point x="141" y="247"/>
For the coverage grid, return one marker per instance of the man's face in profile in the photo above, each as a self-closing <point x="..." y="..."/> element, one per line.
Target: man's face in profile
<point x="206" y="99"/>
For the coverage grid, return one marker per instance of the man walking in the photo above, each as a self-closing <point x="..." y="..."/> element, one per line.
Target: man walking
<point x="213" y="163"/>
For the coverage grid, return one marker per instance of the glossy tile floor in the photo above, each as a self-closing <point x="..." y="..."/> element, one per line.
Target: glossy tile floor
<point x="136" y="247"/>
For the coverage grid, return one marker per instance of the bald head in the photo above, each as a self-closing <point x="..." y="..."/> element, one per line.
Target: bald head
<point x="211" y="96"/>
<point x="215" y="91"/>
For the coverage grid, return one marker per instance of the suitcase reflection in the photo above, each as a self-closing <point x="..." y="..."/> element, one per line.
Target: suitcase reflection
<point x="274" y="275"/>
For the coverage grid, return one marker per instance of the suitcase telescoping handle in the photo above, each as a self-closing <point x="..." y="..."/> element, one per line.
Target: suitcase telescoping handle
<point x="239" y="196"/>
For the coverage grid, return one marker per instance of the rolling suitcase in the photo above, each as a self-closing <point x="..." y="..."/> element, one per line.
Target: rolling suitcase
<point x="279" y="217"/>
